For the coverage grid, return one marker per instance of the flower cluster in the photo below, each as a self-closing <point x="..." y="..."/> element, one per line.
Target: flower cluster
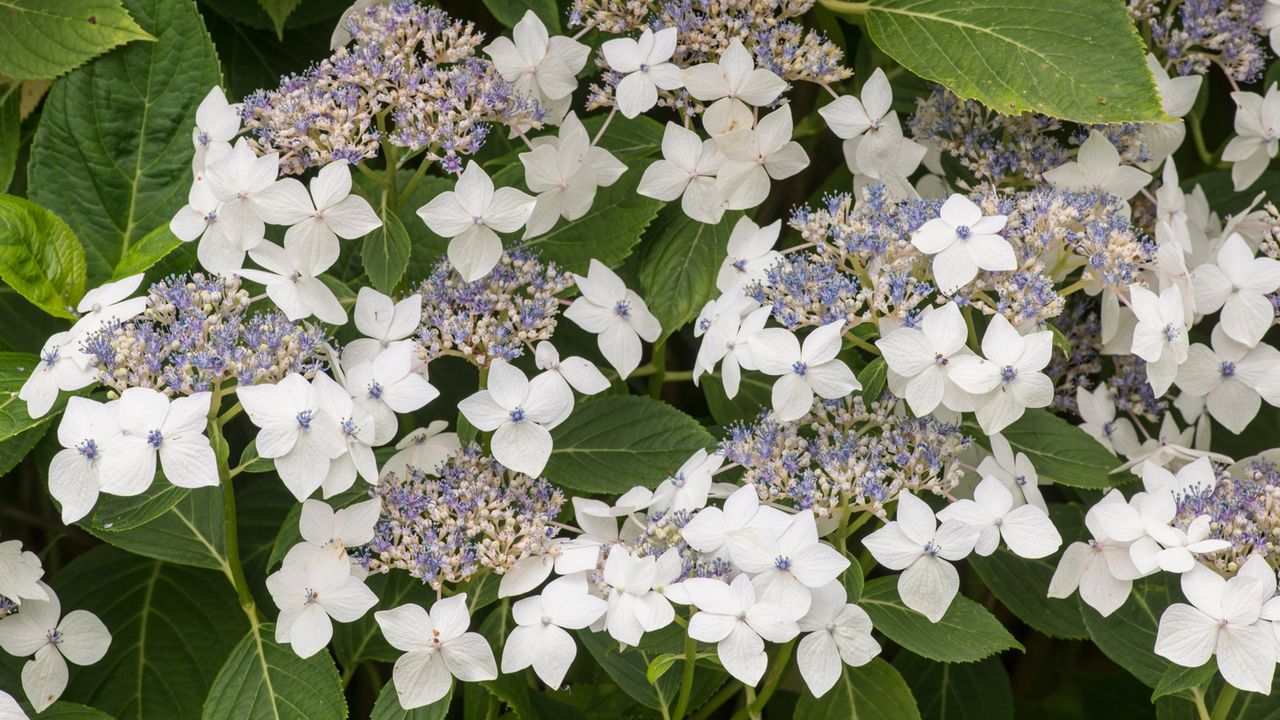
<point x="847" y="453"/>
<point x="1196" y="34"/>
<point x="196" y="332"/>
<point x="413" y="63"/>
<point x="509" y="310"/>
<point x="445" y="524"/>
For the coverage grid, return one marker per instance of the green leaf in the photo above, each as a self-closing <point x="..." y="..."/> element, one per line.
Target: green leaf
<point x="10" y="131"/>
<point x="509" y="12"/>
<point x="385" y="253"/>
<point x="15" y="368"/>
<point x="190" y="532"/>
<point x="1177" y="679"/>
<point x="607" y="232"/>
<point x="612" y="443"/>
<point x="40" y="257"/>
<point x="172" y="628"/>
<point x="250" y="462"/>
<point x="873" y="378"/>
<point x="1128" y="635"/>
<point x="15" y="448"/>
<point x="388" y="707"/>
<point x="1062" y="452"/>
<point x="874" y="691"/>
<point x="681" y="260"/>
<point x="1079" y="60"/>
<point x="1022" y="585"/>
<point x="151" y="249"/>
<point x="263" y="680"/>
<point x="963" y="691"/>
<point x="279" y="11"/>
<point x="253" y="56"/>
<point x="42" y="39"/>
<point x="113" y="152"/>
<point x="754" y="392"/>
<point x="634" y="139"/>
<point x="629" y="669"/>
<point x="117" y="514"/>
<point x="966" y="633"/>
<point x="854" y="582"/>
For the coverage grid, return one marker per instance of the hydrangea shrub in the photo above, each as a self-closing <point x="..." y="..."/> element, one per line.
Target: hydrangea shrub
<point x="632" y="359"/>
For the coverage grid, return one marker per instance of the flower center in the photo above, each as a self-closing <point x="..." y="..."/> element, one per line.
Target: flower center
<point x="932" y="550"/>
<point x="1008" y="373"/>
<point x="1169" y="332"/>
<point x="782" y="562"/>
<point x="304" y="419"/>
<point x="54" y="637"/>
<point x="89" y="449"/>
<point x="155" y="438"/>
<point x="740" y="264"/>
<point x="622" y="309"/>
<point x="1228" y="369"/>
<point x="50" y="357"/>
<point x="940" y="359"/>
<point x="349" y="427"/>
<point x="311" y="595"/>
<point x="963" y="232"/>
<point x="375" y="390"/>
<point x="517" y="415"/>
<point x="799" y="368"/>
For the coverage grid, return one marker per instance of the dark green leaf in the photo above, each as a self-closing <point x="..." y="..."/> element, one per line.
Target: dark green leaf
<point x="262" y="680"/>
<point x="10" y="131"/>
<point x="854" y="582"/>
<point x="113" y="153"/>
<point x="42" y="39"/>
<point x="681" y="260"/>
<point x="874" y="691"/>
<point x="1062" y="452"/>
<point x="279" y="11"/>
<point x="190" y="532"/>
<point x="966" y="633"/>
<point x="386" y="253"/>
<point x="607" y="232"/>
<point x="1080" y="61"/>
<point x="509" y="12"/>
<point x="1128" y="635"/>
<point x="872" y="378"/>
<point x="958" y="691"/>
<point x="117" y="514"/>
<point x="1178" y="679"/>
<point x="610" y="444"/>
<point x="629" y="669"/>
<point x="171" y="629"/>
<point x="40" y="257"/>
<point x="1022" y="585"/>
<point x="754" y="392"/>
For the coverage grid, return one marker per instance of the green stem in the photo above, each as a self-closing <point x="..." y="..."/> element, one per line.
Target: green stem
<point x="1222" y="706"/>
<point x="413" y="182"/>
<point x="230" y="527"/>
<point x="659" y="369"/>
<point x="860" y="343"/>
<point x="1197" y="697"/>
<point x="750" y="703"/>
<point x="686" y="682"/>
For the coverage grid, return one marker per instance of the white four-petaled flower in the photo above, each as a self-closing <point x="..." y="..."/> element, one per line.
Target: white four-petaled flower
<point x="471" y="216"/>
<point x="311" y="592"/>
<point x="520" y="413"/>
<point x="731" y="616"/>
<point x="40" y="630"/>
<point x="539" y="638"/>
<point x="914" y="543"/>
<point x="437" y="649"/>
<point x="616" y="314"/>
<point x="645" y="66"/>
<point x="964" y="241"/>
<point x="1239" y="285"/>
<point x="803" y="370"/>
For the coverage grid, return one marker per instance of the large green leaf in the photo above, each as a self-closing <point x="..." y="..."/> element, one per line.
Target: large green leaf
<point x="172" y="627"/>
<point x="608" y="232"/>
<point x="45" y="38"/>
<point x="113" y="153"/>
<point x="754" y="393"/>
<point x="966" y="633"/>
<point x="262" y="680"/>
<point x="958" y="691"/>
<point x="681" y="259"/>
<point x="253" y="57"/>
<point x="15" y="448"/>
<point x="15" y="368"/>
<point x="1022" y="585"/>
<point x="144" y="254"/>
<point x="385" y="253"/>
<point x="874" y="691"/>
<point x="190" y="532"/>
<point x="1080" y="60"/>
<point x="612" y="443"/>
<point x="40" y="257"/>
<point x="388" y="707"/>
<point x="113" y="513"/>
<point x="1062" y="452"/>
<point x="1128" y="635"/>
